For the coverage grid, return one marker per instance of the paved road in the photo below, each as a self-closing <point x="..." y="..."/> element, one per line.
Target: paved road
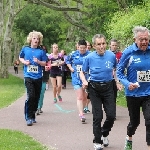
<point x="59" y="126"/>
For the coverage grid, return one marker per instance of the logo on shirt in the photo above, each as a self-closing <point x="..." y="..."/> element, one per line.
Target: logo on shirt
<point x="108" y="64"/>
<point x="136" y="60"/>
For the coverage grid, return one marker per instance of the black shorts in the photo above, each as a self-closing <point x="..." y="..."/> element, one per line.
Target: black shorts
<point x="54" y="75"/>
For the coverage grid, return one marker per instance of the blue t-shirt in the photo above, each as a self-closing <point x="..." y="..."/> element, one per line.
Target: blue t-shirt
<point x="100" y="67"/>
<point x="76" y="60"/>
<point x="34" y="70"/>
<point x="134" y="66"/>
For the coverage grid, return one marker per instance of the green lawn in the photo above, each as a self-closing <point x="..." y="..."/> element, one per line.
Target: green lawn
<point x="121" y="100"/>
<point x="15" y="140"/>
<point x="10" y="90"/>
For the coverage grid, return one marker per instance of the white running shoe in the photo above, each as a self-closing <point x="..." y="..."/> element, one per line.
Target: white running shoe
<point x="98" y="146"/>
<point x="47" y="87"/>
<point x="105" y="141"/>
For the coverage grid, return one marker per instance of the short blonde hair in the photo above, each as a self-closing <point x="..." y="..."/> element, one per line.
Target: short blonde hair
<point x="30" y="35"/>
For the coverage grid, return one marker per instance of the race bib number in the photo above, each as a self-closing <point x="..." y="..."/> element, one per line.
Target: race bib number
<point x="79" y="68"/>
<point x="143" y="76"/>
<point x="32" y="68"/>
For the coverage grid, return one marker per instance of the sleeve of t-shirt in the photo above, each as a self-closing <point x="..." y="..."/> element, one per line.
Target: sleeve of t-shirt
<point x="85" y="66"/>
<point x="69" y="59"/>
<point x="22" y="53"/>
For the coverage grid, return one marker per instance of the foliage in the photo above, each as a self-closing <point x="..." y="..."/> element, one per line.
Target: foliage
<point x="122" y="23"/>
<point x="48" y="22"/>
<point x="16" y="140"/>
<point x="55" y="28"/>
<point x="10" y="90"/>
<point x="121" y="99"/>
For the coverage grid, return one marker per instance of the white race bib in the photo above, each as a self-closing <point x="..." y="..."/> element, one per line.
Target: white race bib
<point x="79" y="68"/>
<point x="143" y="76"/>
<point x="32" y="68"/>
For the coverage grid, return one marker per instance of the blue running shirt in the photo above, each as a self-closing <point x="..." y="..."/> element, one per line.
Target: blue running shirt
<point x="34" y="70"/>
<point x="76" y="60"/>
<point x="100" y="67"/>
<point x="136" y="64"/>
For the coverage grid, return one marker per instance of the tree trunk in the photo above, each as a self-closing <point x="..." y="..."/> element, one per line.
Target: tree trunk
<point x="1" y="28"/>
<point x="7" y="41"/>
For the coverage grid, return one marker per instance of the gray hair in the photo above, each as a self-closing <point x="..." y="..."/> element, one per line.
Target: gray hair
<point x="138" y="29"/>
<point x="99" y="36"/>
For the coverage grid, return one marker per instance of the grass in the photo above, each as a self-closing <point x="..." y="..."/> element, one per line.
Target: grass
<point x="121" y="99"/>
<point x="16" y="140"/>
<point x="10" y="90"/>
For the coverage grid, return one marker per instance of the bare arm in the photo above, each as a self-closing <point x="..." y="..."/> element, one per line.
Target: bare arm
<point x="25" y="62"/>
<point x="70" y="67"/>
<point x="42" y="63"/>
<point x="119" y="85"/>
<point x="83" y="79"/>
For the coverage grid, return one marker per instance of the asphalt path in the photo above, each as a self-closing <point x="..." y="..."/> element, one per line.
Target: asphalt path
<point x="59" y="127"/>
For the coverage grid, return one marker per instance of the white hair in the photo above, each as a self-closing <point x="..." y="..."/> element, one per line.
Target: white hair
<point x="138" y="29"/>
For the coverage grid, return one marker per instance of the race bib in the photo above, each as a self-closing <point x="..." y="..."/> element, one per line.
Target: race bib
<point x="32" y="68"/>
<point x="143" y="76"/>
<point x="79" y="68"/>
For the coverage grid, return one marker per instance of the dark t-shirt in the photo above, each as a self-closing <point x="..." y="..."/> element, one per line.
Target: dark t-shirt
<point x="56" y="69"/>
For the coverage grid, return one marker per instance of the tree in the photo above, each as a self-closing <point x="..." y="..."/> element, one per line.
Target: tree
<point x="122" y="23"/>
<point x="7" y="23"/>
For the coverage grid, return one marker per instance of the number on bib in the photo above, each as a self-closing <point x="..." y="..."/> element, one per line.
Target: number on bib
<point x="32" y="68"/>
<point x="143" y="76"/>
<point x="79" y="68"/>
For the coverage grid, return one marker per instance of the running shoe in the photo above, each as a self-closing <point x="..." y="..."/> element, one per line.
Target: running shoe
<point x="40" y="111"/>
<point x="98" y="146"/>
<point x="85" y="110"/>
<point x="33" y="120"/>
<point x="29" y="122"/>
<point x="60" y="98"/>
<point x="88" y="111"/>
<point x="37" y="112"/>
<point x="105" y="141"/>
<point x="82" y="118"/>
<point x="128" y="144"/>
<point x="55" y="100"/>
<point x="46" y="87"/>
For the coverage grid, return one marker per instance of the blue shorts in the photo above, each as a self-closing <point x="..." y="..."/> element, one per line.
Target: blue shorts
<point x="76" y="87"/>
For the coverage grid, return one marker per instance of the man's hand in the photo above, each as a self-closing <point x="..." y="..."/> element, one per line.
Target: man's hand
<point x="35" y="59"/>
<point x="84" y="84"/>
<point x="119" y="86"/>
<point x="27" y="62"/>
<point x="133" y="86"/>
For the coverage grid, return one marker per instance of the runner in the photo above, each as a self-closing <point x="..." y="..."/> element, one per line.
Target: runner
<point x="33" y="58"/>
<point x="45" y="79"/>
<point x="86" y="109"/>
<point x="100" y="63"/>
<point x="65" y="69"/>
<point x="114" y="48"/>
<point x="74" y="63"/>
<point x="56" y="73"/>
<point x="135" y="61"/>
